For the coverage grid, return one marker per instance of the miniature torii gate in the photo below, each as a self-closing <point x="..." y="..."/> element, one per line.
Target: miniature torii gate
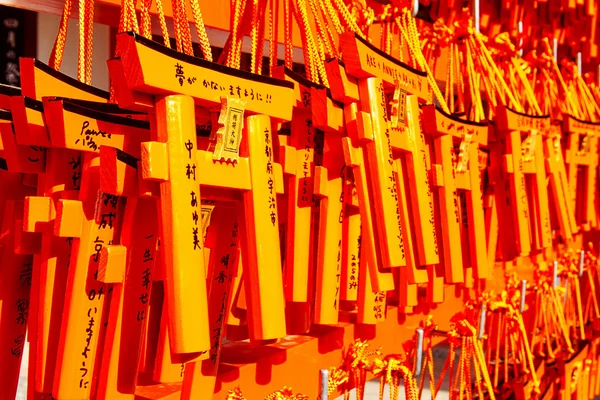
<point x="529" y="208"/>
<point x="362" y="61"/>
<point x="464" y="221"/>
<point x="251" y="171"/>
<point x="581" y="158"/>
<point x="60" y="179"/>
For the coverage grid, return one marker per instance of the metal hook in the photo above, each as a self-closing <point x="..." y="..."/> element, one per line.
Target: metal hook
<point x="481" y="322"/>
<point x="415" y="8"/>
<point x="476" y="15"/>
<point x="520" y="30"/>
<point x="523" y="293"/>
<point x="579" y="62"/>
<point x="581" y="262"/>
<point x="324" y="384"/>
<point x="419" y="352"/>
<point x="556" y="279"/>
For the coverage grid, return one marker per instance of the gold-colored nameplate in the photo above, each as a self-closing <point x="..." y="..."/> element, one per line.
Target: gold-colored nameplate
<point x="152" y="68"/>
<point x="228" y="136"/>
<point x="363" y="60"/>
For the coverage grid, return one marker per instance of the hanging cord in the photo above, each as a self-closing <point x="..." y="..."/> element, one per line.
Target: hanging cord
<point x="549" y="326"/>
<point x="126" y="24"/>
<point x="81" y="60"/>
<point x="183" y="32"/>
<point x="163" y="23"/>
<point x="347" y="18"/>
<point x="82" y="44"/>
<point x="257" y="35"/>
<point x="428" y="327"/>
<point x="288" y="32"/>
<point x="128" y="21"/>
<point x="233" y="49"/>
<point x="471" y="359"/>
<point x="308" y="51"/>
<point x="256" y="22"/>
<point x="513" y="68"/>
<point x="353" y="370"/>
<point x="273" y="32"/>
<point x="316" y="71"/>
<point x="385" y="33"/>
<point x="328" y="9"/>
<point x="325" y="46"/>
<point x="201" y="31"/>
<point x="408" y="27"/>
<point x="89" y="42"/>
<point x="591" y="268"/>
<point x="285" y="394"/>
<point x="58" y="49"/>
<point x="176" y="27"/>
<point x="145" y="20"/>
<point x="567" y="100"/>
<point x="235" y="394"/>
<point x="261" y="37"/>
<point x="327" y="22"/>
<point x="515" y="344"/>
<point x="389" y="370"/>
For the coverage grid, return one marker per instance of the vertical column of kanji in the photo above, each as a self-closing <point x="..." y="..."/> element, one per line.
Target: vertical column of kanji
<point x="298" y="264"/>
<point x="345" y="90"/>
<point x="571" y="167"/>
<point x="493" y="195"/>
<point x="371" y="303"/>
<point x="559" y="181"/>
<point x="92" y="222"/>
<point x="520" y="206"/>
<point x="452" y="248"/>
<point x="420" y="193"/>
<point x="476" y="217"/>
<point x="262" y="268"/>
<point x="152" y="321"/>
<point x="328" y="186"/>
<point x="181" y="239"/>
<point x="129" y="266"/>
<point x="591" y="184"/>
<point x="501" y="231"/>
<point x="351" y="237"/>
<point x="382" y="174"/>
<point x="15" y="285"/>
<point x="541" y="208"/>
<point x="200" y="376"/>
